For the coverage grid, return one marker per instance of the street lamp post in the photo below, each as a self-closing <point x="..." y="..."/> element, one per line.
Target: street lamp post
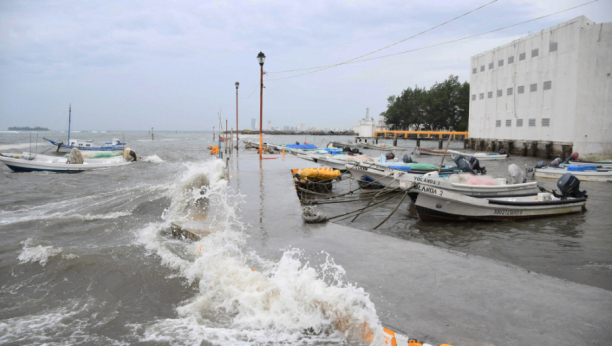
<point x="237" y="140"/>
<point x="261" y="57"/>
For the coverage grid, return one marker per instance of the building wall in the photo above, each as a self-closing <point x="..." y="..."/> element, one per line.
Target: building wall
<point x="594" y="93"/>
<point x="557" y="104"/>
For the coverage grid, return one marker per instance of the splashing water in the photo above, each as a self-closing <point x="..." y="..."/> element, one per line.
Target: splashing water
<point x="245" y="299"/>
<point x="40" y="254"/>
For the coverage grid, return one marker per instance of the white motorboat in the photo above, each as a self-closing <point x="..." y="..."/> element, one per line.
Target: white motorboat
<point x="436" y="204"/>
<point x="481" y="156"/>
<point x="467" y="184"/>
<point x="42" y="163"/>
<point x="367" y="173"/>
<point x="582" y="172"/>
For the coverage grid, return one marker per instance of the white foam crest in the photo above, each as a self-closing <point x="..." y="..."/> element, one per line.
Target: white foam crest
<point x="40" y="254"/>
<point x="77" y="207"/>
<point x="151" y="158"/>
<point x="66" y="324"/>
<point x="284" y="302"/>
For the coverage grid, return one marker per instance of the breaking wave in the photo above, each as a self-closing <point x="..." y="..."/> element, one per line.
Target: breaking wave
<point x="243" y="298"/>
<point x="40" y="254"/>
<point x="151" y="158"/>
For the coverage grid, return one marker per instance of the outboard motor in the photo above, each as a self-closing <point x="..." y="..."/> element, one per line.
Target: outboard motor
<point x="355" y="151"/>
<point x="516" y="174"/>
<point x="555" y="162"/>
<point x="346" y="149"/>
<point x="407" y="159"/>
<point x="390" y="156"/>
<point x="569" y="186"/>
<point x="538" y="165"/>
<point x="297" y="143"/>
<point x="475" y="165"/>
<point x="573" y="156"/>
<point x="463" y="164"/>
<point x="503" y="152"/>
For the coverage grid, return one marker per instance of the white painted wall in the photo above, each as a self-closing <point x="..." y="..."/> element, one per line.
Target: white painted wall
<point x="578" y="103"/>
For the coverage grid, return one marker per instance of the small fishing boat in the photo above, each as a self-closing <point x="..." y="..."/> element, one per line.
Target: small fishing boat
<point x="314" y="179"/>
<point x="482" y="156"/>
<point x="380" y="174"/>
<point x="603" y="163"/>
<point x="27" y="162"/>
<point x="464" y="183"/>
<point x="436" y="204"/>
<point x="582" y="172"/>
<point x="85" y="145"/>
<point x="431" y="152"/>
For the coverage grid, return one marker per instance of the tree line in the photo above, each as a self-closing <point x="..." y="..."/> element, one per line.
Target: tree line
<point x="444" y="106"/>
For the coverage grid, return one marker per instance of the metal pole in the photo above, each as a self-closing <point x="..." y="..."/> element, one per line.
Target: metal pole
<point x="69" y="121"/>
<point x="261" y="114"/>
<point x="237" y="139"/>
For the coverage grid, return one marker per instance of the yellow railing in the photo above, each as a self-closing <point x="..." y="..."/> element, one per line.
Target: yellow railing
<point x="419" y="133"/>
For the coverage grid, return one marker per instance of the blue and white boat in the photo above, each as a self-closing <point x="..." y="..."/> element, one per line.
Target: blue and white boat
<point x="85" y="145"/>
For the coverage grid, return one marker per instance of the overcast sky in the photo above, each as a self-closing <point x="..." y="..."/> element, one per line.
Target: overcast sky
<point x="173" y="64"/>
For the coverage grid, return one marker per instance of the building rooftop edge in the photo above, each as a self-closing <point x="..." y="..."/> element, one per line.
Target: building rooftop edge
<point x="581" y="18"/>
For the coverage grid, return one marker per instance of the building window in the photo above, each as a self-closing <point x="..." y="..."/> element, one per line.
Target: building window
<point x="533" y="87"/>
<point x="521" y="89"/>
<point x="519" y="122"/>
<point x="481" y="68"/>
<point x="521" y="56"/>
<point x="547" y="85"/>
<point x="531" y="122"/>
<point x="552" y="47"/>
<point x="490" y="66"/>
<point x="535" y="52"/>
<point x="545" y="122"/>
<point x="508" y="123"/>
<point x="500" y="63"/>
<point x="481" y="96"/>
<point x="509" y="91"/>
<point x="474" y="97"/>
<point x="490" y="94"/>
<point x="500" y="93"/>
<point x="511" y="60"/>
<point x="474" y="70"/>
<point x="497" y="123"/>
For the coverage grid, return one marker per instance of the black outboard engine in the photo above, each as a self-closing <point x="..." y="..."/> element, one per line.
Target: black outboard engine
<point x="346" y="149"/>
<point x="407" y="159"/>
<point x="463" y="164"/>
<point x="390" y="156"/>
<point x="569" y="186"/>
<point x="355" y="151"/>
<point x="503" y="152"/>
<point x="297" y="143"/>
<point x="538" y="165"/>
<point x="475" y="165"/>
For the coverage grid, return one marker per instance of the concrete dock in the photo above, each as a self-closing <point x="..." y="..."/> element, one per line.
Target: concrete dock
<point x="428" y="293"/>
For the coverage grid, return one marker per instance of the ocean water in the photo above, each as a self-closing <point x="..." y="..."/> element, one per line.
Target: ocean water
<point x="88" y="258"/>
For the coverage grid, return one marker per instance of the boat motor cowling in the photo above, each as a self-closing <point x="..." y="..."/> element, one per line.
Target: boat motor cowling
<point x="355" y="151"/>
<point x="407" y="159"/>
<point x="390" y="156"/>
<point x="555" y="162"/>
<point x="569" y="186"/>
<point x="573" y="156"/>
<point x="463" y="164"/>
<point x="516" y="174"/>
<point x="475" y="165"/>
<point x="503" y="152"/>
<point x="540" y="164"/>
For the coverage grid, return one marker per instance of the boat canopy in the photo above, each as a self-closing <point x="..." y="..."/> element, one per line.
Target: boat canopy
<point x="301" y="146"/>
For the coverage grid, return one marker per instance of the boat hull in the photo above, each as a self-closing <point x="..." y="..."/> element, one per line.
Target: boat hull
<point x="21" y="165"/>
<point x="443" y="205"/>
<point x="556" y="173"/>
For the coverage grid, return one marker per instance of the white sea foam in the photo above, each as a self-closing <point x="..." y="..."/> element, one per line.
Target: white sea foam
<point x="282" y="302"/>
<point x="40" y="254"/>
<point x="17" y="146"/>
<point x="151" y="158"/>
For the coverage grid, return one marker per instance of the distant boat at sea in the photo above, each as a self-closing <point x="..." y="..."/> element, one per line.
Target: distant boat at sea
<point x="85" y="145"/>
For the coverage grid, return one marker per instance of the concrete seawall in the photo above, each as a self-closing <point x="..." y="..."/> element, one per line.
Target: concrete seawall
<point x="543" y="149"/>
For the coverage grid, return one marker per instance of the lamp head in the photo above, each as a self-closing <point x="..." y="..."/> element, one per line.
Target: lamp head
<point x="237" y="84"/>
<point x="261" y="57"/>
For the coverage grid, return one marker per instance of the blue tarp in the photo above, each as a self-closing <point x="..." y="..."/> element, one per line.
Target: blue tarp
<point x="401" y="168"/>
<point x="301" y="146"/>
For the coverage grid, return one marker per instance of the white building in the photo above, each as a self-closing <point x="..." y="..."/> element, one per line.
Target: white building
<point x="367" y="126"/>
<point x="554" y="85"/>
